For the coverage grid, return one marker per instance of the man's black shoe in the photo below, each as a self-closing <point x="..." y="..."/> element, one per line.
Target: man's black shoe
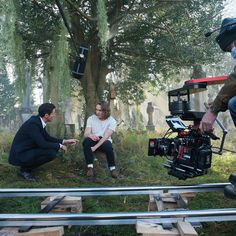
<point x="230" y="191"/>
<point x="232" y="178"/>
<point x="26" y="175"/>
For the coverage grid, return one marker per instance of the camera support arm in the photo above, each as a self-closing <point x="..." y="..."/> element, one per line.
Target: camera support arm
<point x="224" y="131"/>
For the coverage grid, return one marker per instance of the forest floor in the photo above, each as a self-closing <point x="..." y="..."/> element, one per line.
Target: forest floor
<point x="135" y="169"/>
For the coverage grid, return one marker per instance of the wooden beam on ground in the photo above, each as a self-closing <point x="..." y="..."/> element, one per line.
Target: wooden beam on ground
<point x="48" y="231"/>
<point x="153" y="229"/>
<point x="186" y="229"/>
<point x="162" y="202"/>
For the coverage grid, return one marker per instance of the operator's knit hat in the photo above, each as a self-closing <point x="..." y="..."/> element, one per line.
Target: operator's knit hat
<point x="227" y="33"/>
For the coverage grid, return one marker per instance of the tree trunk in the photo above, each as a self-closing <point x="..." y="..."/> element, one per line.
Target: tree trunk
<point x="56" y="128"/>
<point x="26" y="110"/>
<point x="93" y="82"/>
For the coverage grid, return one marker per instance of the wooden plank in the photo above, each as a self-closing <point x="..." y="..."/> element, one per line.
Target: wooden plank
<point x="180" y="200"/>
<point x="159" y="202"/>
<point x="188" y="195"/>
<point x="68" y="200"/>
<point x="168" y="199"/>
<point x="162" y="202"/>
<point x="46" y="209"/>
<point x="49" y="231"/>
<point x="186" y="229"/>
<point x="161" y="234"/>
<point x="68" y="204"/>
<point x="150" y="228"/>
<point x="152" y="206"/>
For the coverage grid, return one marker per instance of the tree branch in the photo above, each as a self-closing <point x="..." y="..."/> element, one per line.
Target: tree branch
<point x="81" y="12"/>
<point x="131" y="53"/>
<point x="44" y="9"/>
<point x="154" y="7"/>
<point x="116" y="20"/>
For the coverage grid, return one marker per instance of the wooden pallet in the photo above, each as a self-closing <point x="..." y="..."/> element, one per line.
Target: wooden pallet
<point x="149" y="228"/>
<point x="67" y="204"/>
<point x="166" y="201"/>
<point x="162" y="202"/>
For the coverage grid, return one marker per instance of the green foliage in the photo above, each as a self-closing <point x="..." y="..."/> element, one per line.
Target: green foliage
<point x="129" y="88"/>
<point x="59" y="72"/>
<point x="5" y="145"/>
<point x="152" y="40"/>
<point x="36" y="24"/>
<point x="7" y="97"/>
<point x="11" y="46"/>
<point x="102" y="24"/>
<point x="27" y="33"/>
<point x="7" y="30"/>
<point x="20" y="65"/>
<point x="159" y="42"/>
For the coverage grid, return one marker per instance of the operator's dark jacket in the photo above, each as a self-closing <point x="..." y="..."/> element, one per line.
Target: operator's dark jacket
<point x="31" y="142"/>
<point x="227" y="91"/>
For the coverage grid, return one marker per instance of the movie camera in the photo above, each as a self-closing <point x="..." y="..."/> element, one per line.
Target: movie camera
<point x="189" y="153"/>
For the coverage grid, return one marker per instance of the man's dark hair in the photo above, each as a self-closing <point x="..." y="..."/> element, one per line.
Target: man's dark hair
<point x="105" y="108"/>
<point x="46" y="108"/>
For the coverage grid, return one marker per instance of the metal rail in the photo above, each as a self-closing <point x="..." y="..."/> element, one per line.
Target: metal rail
<point x="168" y="216"/>
<point x="108" y="191"/>
<point x="174" y="216"/>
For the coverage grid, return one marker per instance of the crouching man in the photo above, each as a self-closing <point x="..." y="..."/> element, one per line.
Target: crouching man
<point x="32" y="146"/>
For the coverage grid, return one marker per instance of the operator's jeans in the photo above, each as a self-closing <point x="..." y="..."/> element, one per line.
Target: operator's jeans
<point x="232" y="108"/>
<point x="106" y="147"/>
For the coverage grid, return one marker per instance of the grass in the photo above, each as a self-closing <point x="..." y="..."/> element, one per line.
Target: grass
<point x="136" y="169"/>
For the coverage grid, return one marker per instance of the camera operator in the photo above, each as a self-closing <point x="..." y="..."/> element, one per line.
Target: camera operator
<point x="226" y="98"/>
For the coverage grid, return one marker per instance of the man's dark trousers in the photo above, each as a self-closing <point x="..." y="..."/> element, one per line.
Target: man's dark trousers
<point x="106" y="147"/>
<point x="38" y="158"/>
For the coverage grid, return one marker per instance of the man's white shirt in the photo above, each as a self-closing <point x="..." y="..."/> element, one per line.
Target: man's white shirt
<point x="43" y="123"/>
<point x="99" y="127"/>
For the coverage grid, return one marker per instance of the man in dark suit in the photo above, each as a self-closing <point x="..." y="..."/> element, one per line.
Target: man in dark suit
<point x="33" y="146"/>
